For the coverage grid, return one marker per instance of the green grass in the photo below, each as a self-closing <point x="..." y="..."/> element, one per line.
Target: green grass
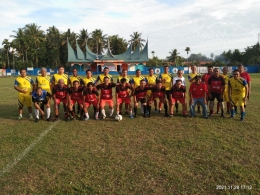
<point x="141" y="156"/>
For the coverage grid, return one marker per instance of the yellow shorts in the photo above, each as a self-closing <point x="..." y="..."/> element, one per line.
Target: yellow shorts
<point x="237" y="101"/>
<point x="24" y="99"/>
<point x="226" y="96"/>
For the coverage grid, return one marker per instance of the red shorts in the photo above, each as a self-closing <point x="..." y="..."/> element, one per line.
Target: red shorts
<point x="181" y="100"/>
<point x="103" y="103"/>
<point x="72" y="102"/>
<point x="58" y="101"/>
<point x="125" y="100"/>
<point x="94" y="103"/>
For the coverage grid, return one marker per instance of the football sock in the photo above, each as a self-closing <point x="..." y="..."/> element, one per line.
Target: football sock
<point x="211" y="111"/>
<point x="165" y="108"/>
<point x="87" y="114"/>
<point x="135" y="110"/>
<point x="228" y="106"/>
<point x="232" y="112"/>
<point x="222" y="111"/>
<point x="48" y="110"/>
<point x="145" y="108"/>
<point x="36" y="111"/>
<point x="176" y="106"/>
<point x="242" y="115"/>
<point x="20" y="115"/>
<point x="103" y="112"/>
<point x="97" y="113"/>
<point x="131" y="113"/>
<point x="149" y="109"/>
<point x="117" y="112"/>
<point x="111" y="111"/>
<point x="236" y="108"/>
<point x="160" y="105"/>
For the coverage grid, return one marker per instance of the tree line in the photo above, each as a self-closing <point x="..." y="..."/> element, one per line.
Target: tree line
<point x="33" y="47"/>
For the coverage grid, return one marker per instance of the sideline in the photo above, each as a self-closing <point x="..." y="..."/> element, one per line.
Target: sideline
<point x="26" y="151"/>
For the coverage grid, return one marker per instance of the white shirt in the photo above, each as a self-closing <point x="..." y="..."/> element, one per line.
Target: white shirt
<point x="178" y="78"/>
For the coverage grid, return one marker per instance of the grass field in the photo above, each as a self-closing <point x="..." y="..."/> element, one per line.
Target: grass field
<point x="156" y="155"/>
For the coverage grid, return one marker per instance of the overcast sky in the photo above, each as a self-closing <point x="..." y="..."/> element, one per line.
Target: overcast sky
<point x="203" y="25"/>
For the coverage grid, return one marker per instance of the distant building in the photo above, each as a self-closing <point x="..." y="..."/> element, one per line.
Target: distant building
<point x="128" y="60"/>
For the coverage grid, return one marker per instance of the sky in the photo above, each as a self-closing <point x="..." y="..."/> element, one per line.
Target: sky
<point x="204" y="26"/>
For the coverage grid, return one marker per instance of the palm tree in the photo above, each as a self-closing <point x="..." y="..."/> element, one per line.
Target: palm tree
<point x="173" y="57"/>
<point x="212" y="56"/>
<point x="98" y="41"/>
<point x="7" y="46"/>
<point x="83" y="37"/>
<point x="117" y="45"/>
<point x="19" y="42"/>
<point x="135" y="40"/>
<point x="187" y="50"/>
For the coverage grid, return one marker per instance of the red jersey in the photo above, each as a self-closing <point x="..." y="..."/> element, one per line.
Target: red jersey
<point x="76" y="94"/>
<point x="178" y="92"/>
<point x="158" y="93"/>
<point x="198" y="91"/>
<point x="246" y="76"/>
<point x="59" y="92"/>
<point x="123" y="92"/>
<point x="90" y="96"/>
<point x="106" y="91"/>
<point x="206" y="77"/>
<point x="141" y="93"/>
<point x="216" y="84"/>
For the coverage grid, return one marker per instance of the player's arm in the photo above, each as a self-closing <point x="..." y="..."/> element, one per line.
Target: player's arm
<point x="249" y="89"/>
<point x="229" y="90"/>
<point x="191" y="79"/>
<point x="97" y="80"/>
<point x="52" y="81"/>
<point x="209" y="87"/>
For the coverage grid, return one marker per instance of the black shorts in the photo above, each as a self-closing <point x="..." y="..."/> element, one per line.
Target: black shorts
<point x="216" y="95"/>
<point x="142" y="100"/>
<point x="168" y="92"/>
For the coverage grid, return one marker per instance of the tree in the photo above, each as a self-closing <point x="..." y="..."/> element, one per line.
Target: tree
<point x="173" y="57"/>
<point x="136" y="40"/>
<point x="98" y="41"/>
<point x="212" y="56"/>
<point x="117" y="45"/>
<point x="20" y="42"/>
<point x="187" y="49"/>
<point x="83" y="37"/>
<point x="155" y="61"/>
<point x="7" y="46"/>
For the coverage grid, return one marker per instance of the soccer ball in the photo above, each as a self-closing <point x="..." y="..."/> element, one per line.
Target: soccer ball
<point x="118" y="117"/>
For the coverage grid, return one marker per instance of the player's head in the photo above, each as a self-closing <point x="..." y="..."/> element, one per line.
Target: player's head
<point x="61" y="83"/>
<point x="210" y="69"/>
<point x="151" y="71"/>
<point x="123" y="82"/>
<point x="23" y="72"/>
<point x="198" y="79"/>
<point x="178" y="83"/>
<point x="88" y="73"/>
<point x="216" y="72"/>
<point x="106" y="80"/>
<point x="74" y="71"/>
<point x="236" y="74"/>
<point x="39" y="91"/>
<point x="124" y="73"/>
<point x="225" y="70"/>
<point x="90" y="85"/>
<point x="193" y="68"/>
<point x="142" y="83"/>
<point x="166" y="69"/>
<point x="60" y="69"/>
<point x="241" y="68"/>
<point x="75" y="84"/>
<point x="159" y="84"/>
<point x="180" y="73"/>
<point x="106" y="71"/>
<point x="138" y="72"/>
<point x="43" y="71"/>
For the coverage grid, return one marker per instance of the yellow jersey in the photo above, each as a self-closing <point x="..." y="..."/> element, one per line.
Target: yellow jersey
<point x="152" y="79"/>
<point x="102" y="76"/>
<point x="128" y="79"/>
<point x="44" y="82"/>
<point x="191" y="76"/>
<point x="136" y="81"/>
<point x="88" y="80"/>
<point x="237" y="86"/>
<point x="24" y="83"/>
<point x="72" y="79"/>
<point x="56" y="77"/>
<point x="166" y="79"/>
<point x="226" y="78"/>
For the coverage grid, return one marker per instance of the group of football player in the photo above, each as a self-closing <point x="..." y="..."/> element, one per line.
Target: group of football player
<point x="147" y="90"/>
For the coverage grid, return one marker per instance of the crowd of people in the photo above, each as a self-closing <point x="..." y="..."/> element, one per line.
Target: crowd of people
<point x="78" y="94"/>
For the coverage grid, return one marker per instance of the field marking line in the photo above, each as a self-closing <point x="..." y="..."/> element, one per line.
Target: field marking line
<point x="8" y="167"/>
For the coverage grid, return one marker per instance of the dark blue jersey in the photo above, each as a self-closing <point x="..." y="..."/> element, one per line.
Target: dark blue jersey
<point x="42" y="98"/>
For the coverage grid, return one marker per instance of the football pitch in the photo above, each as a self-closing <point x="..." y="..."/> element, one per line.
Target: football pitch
<point x="156" y="155"/>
